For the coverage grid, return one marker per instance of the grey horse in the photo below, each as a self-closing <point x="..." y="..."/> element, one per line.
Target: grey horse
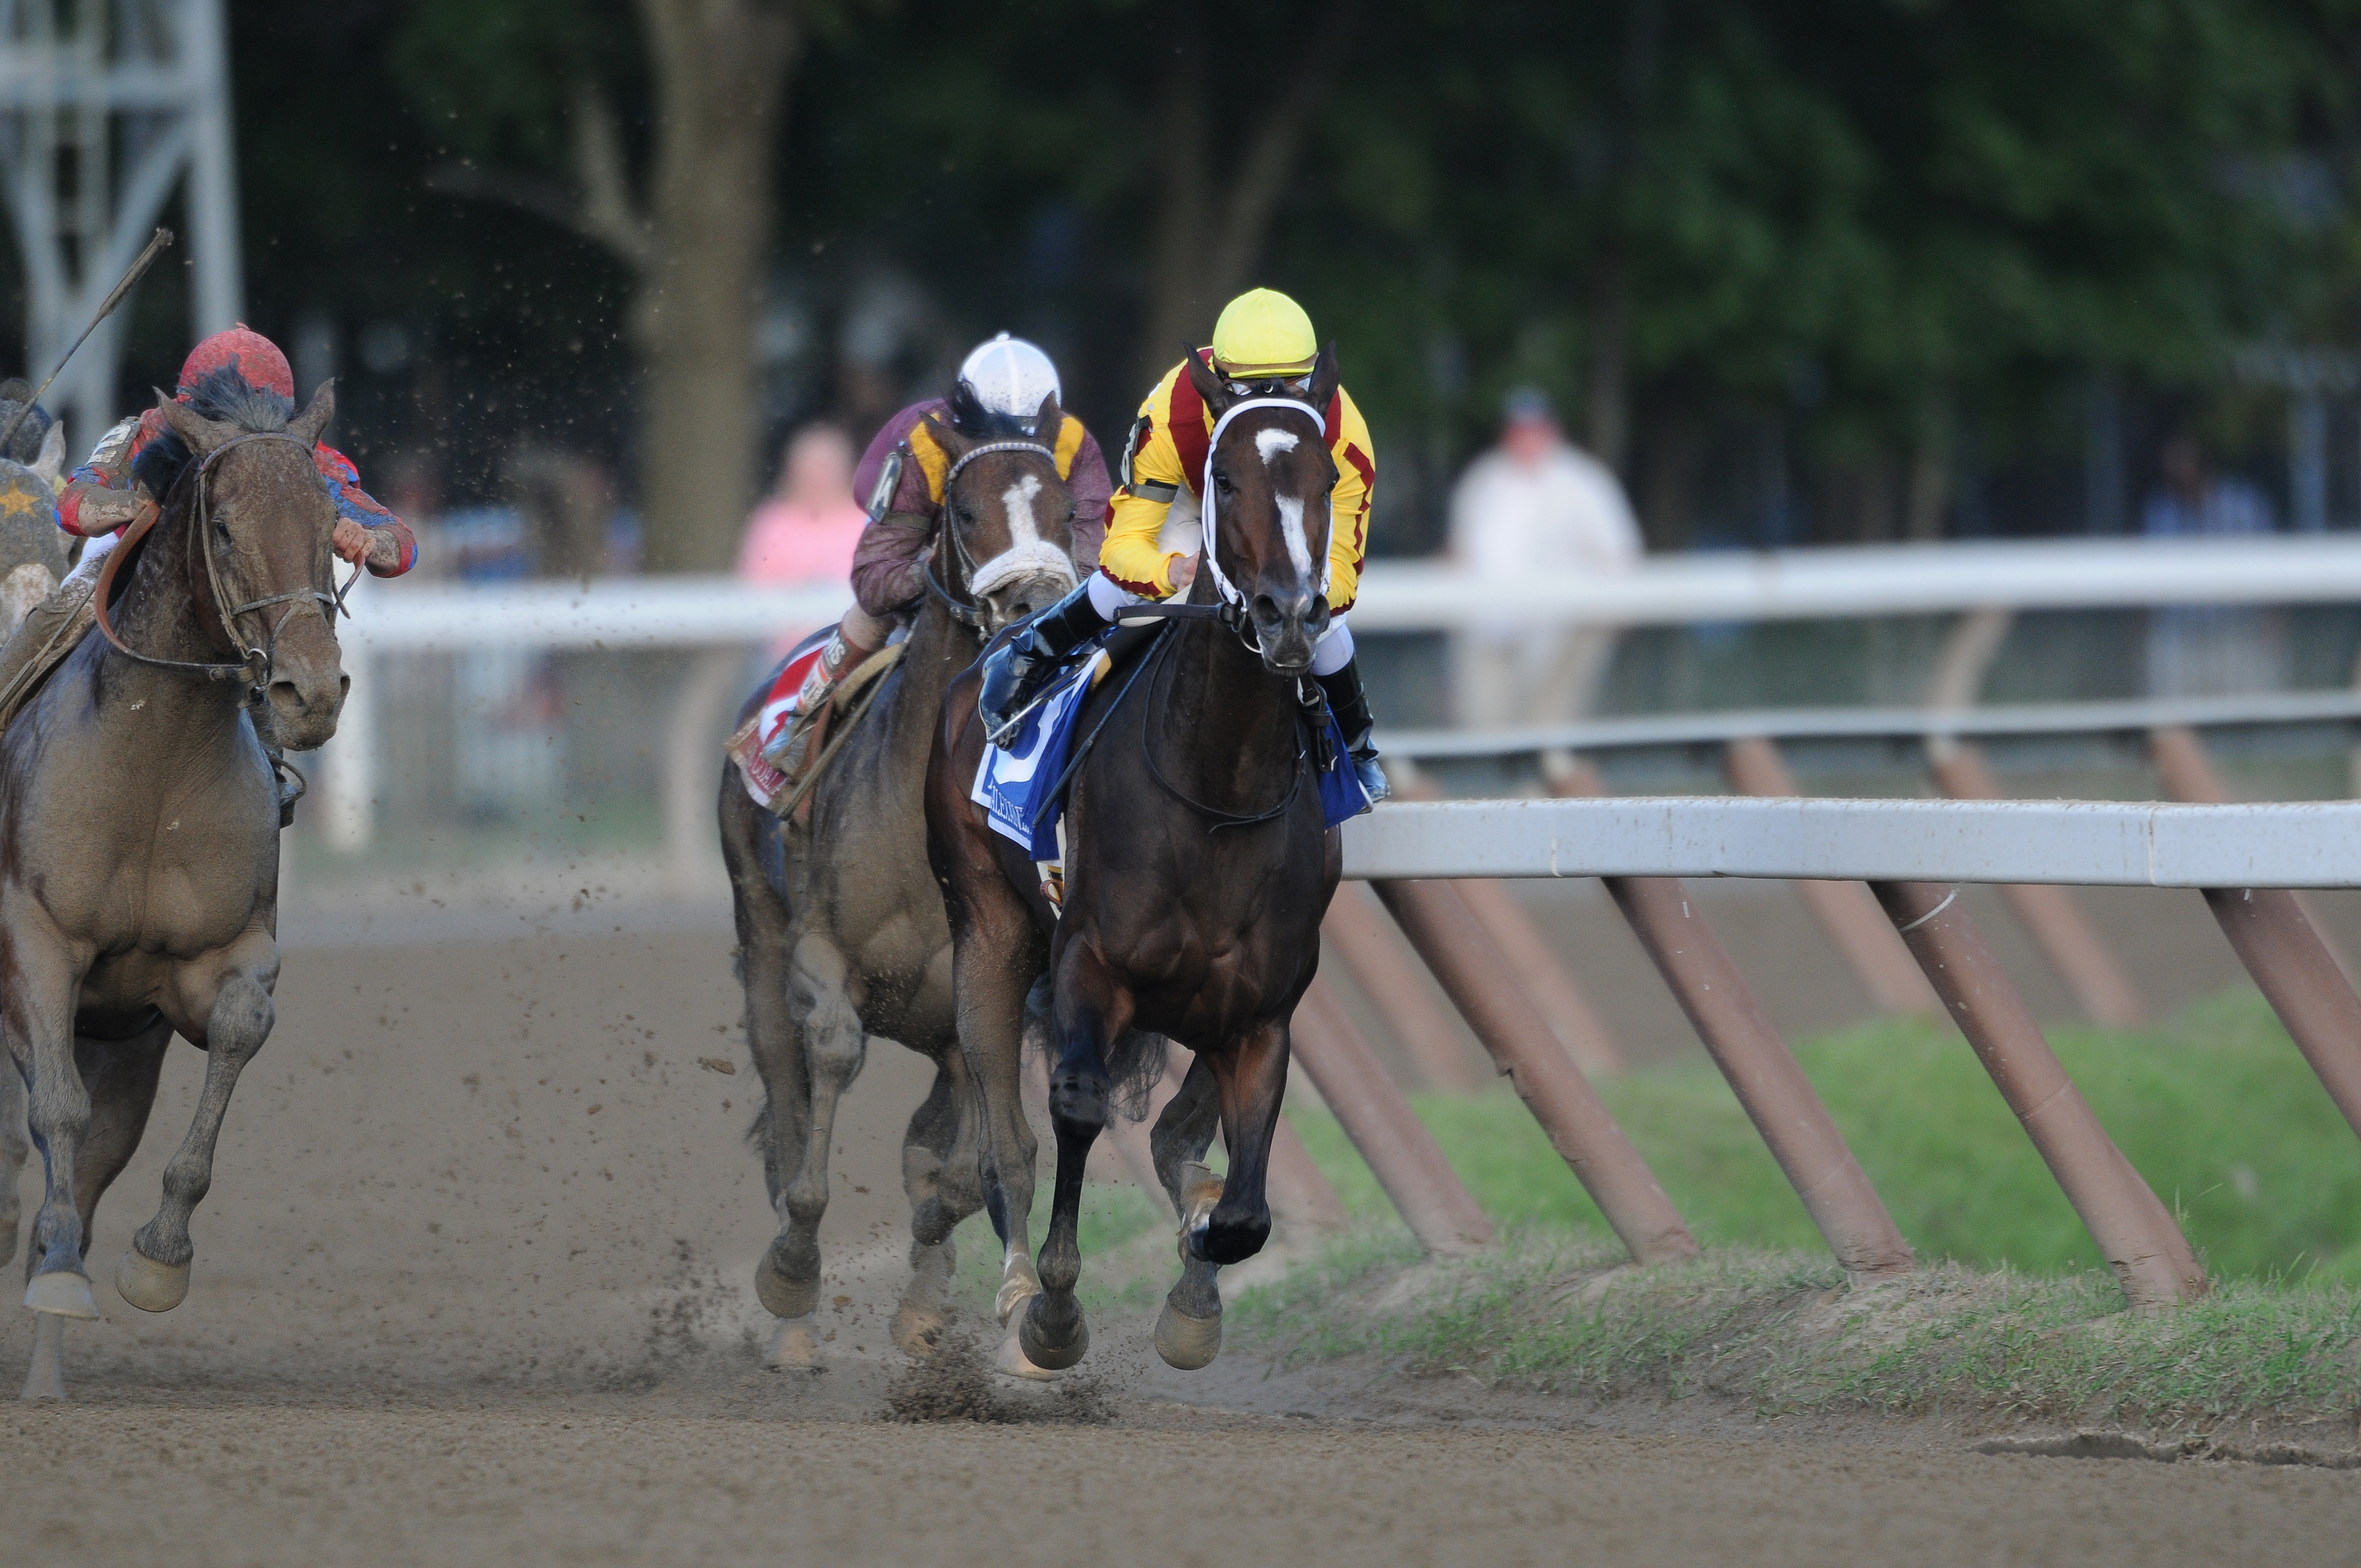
<point x="139" y="839"/>
<point x="841" y="925"/>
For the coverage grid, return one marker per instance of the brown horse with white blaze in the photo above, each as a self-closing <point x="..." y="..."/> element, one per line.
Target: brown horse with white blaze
<point x="1198" y="868"/>
<point x="841" y="925"/>
<point x="140" y="839"/>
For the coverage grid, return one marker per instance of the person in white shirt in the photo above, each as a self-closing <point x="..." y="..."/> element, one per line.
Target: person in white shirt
<point x="1536" y="503"/>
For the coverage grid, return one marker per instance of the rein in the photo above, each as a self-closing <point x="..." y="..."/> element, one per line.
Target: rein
<point x="1162" y="658"/>
<point x="254" y="662"/>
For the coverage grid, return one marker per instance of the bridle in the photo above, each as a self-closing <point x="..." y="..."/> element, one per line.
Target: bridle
<point x="254" y="661"/>
<point x="963" y="610"/>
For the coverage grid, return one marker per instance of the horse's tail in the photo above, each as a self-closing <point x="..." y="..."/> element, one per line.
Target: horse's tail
<point x="1134" y="1059"/>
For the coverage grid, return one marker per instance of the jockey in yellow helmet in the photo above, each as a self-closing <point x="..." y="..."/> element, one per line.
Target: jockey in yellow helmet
<point x="1263" y="340"/>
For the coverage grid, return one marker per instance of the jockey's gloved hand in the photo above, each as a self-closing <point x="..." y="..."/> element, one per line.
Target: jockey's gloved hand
<point x="1350" y="704"/>
<point x="1014" y="672"/>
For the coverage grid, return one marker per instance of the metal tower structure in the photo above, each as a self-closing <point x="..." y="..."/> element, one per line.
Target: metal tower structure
<point x="104" y="105"/>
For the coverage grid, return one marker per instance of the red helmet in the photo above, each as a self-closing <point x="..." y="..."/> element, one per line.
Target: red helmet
<point x="253" y="356"/>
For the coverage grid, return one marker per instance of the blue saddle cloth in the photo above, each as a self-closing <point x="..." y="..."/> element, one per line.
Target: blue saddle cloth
<point x="1018" y="786"/>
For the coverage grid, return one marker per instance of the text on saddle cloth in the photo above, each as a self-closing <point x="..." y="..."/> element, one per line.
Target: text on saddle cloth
<point x="1018" y="785"/>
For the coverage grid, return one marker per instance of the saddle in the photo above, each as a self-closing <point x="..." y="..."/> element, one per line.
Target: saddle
<point x="776" y="791"/>
<point x="69" y="624"/>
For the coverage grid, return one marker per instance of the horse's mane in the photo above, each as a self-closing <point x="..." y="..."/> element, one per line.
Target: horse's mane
<point x="15" y="393"/>
<point x="225" y="397"/>
<point x="972" y="419"/>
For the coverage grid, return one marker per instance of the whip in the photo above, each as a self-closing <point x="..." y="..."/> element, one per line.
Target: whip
<point x="106" y="308"/>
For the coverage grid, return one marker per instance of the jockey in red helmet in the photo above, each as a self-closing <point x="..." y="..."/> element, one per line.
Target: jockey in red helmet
<point x="134" y="465"/>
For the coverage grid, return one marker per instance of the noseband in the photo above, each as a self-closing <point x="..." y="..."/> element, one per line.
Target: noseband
<point x="963" y="610"/>
<point x="254" y="661"/>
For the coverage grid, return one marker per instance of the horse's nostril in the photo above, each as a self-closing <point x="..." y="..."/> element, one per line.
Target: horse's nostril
<point x="286" y="697"/>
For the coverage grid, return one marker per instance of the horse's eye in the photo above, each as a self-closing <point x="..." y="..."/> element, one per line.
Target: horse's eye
<point x="1222" y="482"/>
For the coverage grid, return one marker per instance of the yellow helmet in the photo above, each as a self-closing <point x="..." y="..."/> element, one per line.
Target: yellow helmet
<point x="1264" y="334"/>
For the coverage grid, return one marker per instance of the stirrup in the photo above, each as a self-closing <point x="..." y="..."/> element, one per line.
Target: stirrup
<point x="292" y="787"/>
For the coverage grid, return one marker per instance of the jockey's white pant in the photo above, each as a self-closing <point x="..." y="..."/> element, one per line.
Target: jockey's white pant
<point x="1330" y="654"/>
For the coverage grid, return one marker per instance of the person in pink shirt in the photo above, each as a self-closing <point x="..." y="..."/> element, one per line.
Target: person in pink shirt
<point x="805" y="530"/>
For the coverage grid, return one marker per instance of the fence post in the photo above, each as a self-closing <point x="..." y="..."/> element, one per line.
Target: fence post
<point x="348" y="792"/>
<point x="1436" y="1206"/>
<point x="1438" y="922"/>
<point x="1552" y="990"/>
<point x="1384" y="969"/>
<point x="2049" y="914"/>
<point x="2135" y="1234"/>
<point x="2296" y="968"/>
<point x="1766" y="1077"/>
<point x="1844" y="909"/>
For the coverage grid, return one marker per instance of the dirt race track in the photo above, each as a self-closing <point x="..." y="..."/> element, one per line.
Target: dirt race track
<point x="471" y="1287"/>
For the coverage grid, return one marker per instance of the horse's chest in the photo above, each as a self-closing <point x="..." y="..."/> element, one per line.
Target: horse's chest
<point x="187" y="886"/>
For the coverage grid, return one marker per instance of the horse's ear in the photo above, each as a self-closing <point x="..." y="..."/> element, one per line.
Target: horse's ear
<point x="308" y="426"/>
<point x="52" y="463"/>
<point x="947" y="436"/>
<point x="201" y="435"/>
<point x="1209" y="386"/>
<point x="1325" y="378"/>
<point x="1050" y="421"/>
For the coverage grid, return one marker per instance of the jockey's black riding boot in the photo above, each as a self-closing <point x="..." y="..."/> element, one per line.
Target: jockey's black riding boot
<point x="1350" y="704"/>
<point x="1016" y="670"/>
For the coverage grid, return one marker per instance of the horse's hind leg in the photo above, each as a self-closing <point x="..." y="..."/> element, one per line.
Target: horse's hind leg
<point x="942" y="1173"/>
<point x="1091" y="1011"/>
<point x="120" y="1076"/>
<point x="1188" y="1329"/>
<point x="153" y="1275"/>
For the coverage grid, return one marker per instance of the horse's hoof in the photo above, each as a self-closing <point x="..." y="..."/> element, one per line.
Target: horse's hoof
<point x="794" y="1347"/>
<point x="781" y="1296"/>
<point x="918" y="1330"/>
<point x="1187" y="1343"/>
<point x="1055" y="1357"/>
<point x="62" y="1294"/>
<point x="150" y="1285"/>
<point x="1010" y="1360"/>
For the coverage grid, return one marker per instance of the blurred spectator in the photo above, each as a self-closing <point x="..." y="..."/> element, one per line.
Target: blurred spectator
<point x="1536" y="503"/>
<point x="2209" y="649"/>
<point x="805" y="530"/>
<point x="804" y="533"/>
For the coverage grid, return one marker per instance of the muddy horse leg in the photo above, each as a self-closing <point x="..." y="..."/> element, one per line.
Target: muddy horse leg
<point x="995" y="958"/>
<point x="775" y="1040"/>
<point x="14" y="1148"/>
<point x="36" y="1009"/>
<point x="1188" y="1329"/>
<point x="942" y="1175"/>
<point x="153" y="1275"/>
<point x="1090" y="1011"/>
<point x="831" y="1045"/>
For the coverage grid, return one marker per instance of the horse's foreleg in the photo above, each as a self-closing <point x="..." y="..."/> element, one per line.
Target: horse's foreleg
<point x="1222" y="1220"/>
<point x="833" y="1046"/>
<point x="14" y="1148"/>
<point x="1090" y="1010"/>
<point x="995" y="956"/>
<point x="37" y="1010"/>
<point x="154" y="1273"/>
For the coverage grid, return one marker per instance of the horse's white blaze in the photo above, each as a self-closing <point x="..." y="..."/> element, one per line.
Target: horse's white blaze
<point x="1018" y="500"/>
<point x="1272" y="442"/>
<point x="1028" y="554"/>
<point x="1290" y="526"/>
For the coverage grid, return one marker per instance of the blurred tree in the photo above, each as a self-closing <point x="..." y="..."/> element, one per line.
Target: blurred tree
<point x="533" y="84"/>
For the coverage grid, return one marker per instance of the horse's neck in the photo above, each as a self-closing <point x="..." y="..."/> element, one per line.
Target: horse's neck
<point x="158" y="615"/>
<point x="1227" y="724"/>
<point x="938" y="650"/>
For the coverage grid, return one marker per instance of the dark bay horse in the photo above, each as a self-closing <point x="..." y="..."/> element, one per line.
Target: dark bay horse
<point x="140" y="839"/>
<point x="840" y="927"/>
<point x="1197" y="871"/>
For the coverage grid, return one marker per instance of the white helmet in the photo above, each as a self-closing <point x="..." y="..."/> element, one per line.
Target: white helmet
<point x="1010" y="376"/>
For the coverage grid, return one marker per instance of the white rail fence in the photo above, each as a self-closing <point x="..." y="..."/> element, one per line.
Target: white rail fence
<point x="2084" y="843"/>
<point x="692" y="613"/>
